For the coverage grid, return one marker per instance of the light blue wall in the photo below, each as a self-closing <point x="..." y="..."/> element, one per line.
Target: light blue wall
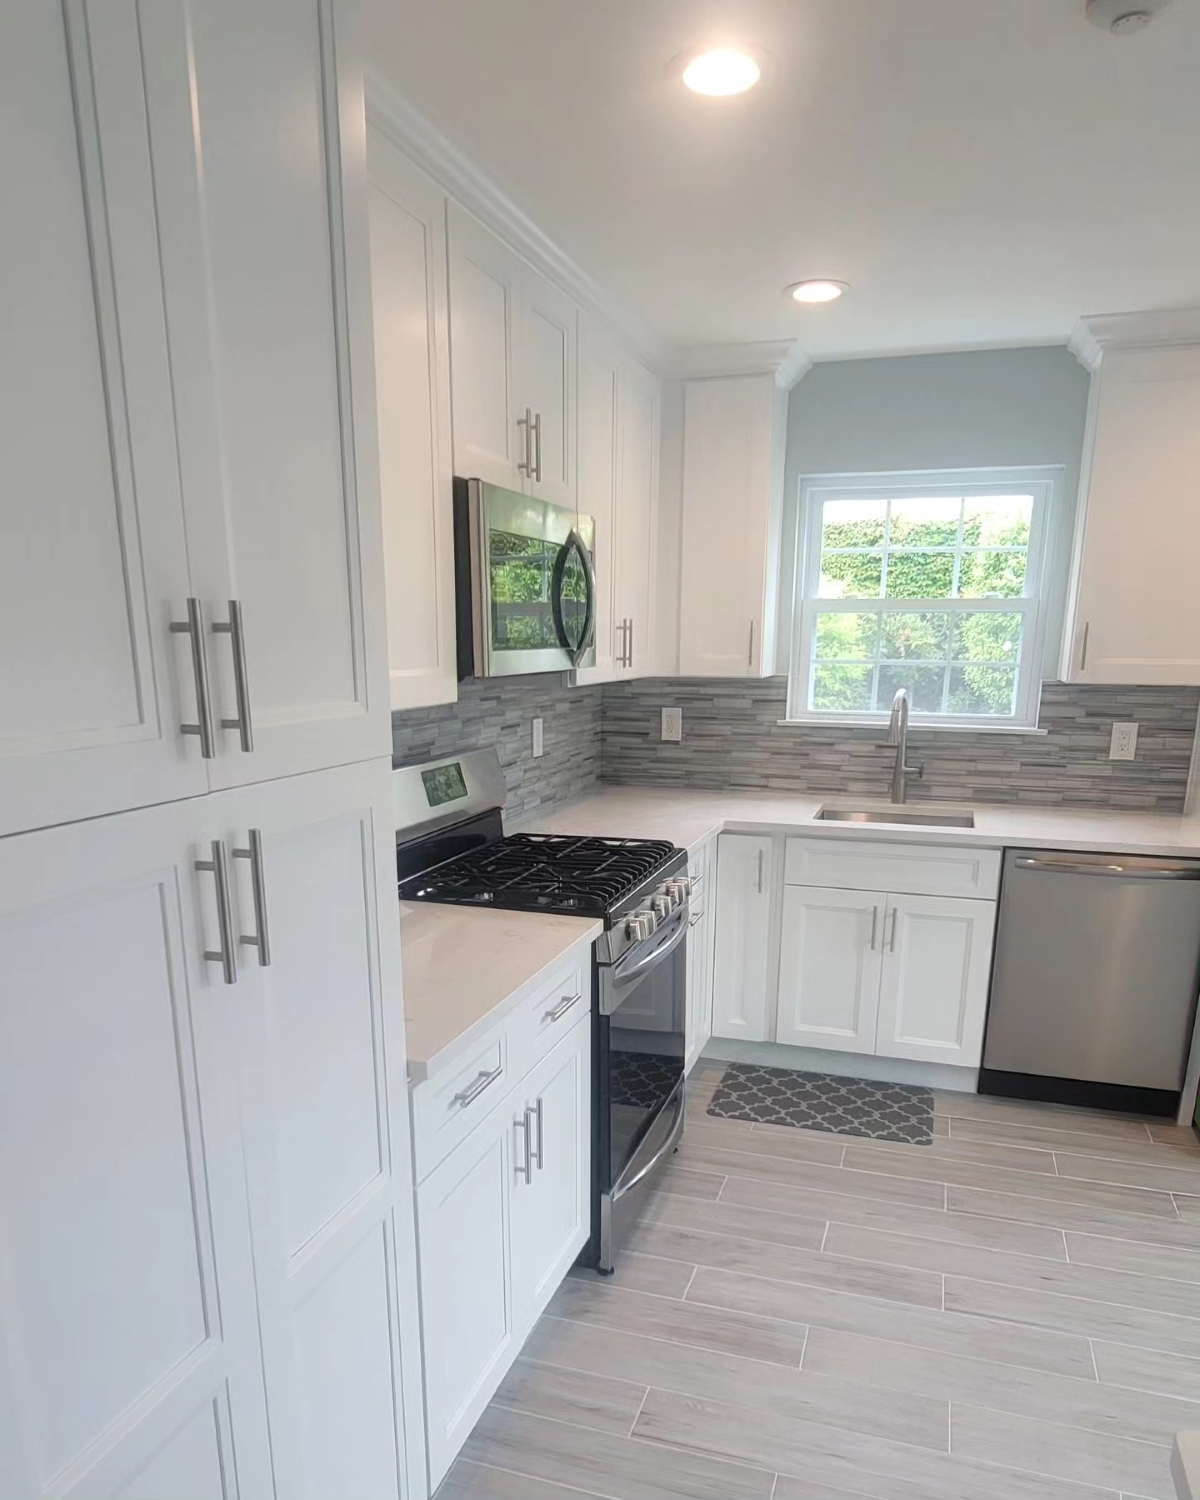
<point x="997" y="408"/>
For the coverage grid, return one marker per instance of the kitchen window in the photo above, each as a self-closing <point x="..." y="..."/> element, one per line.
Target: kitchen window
<point x="932" y="582"/>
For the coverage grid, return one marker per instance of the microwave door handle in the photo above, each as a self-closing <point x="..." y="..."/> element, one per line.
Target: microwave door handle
<point x="573" y="543"/>
<point x="588" y="638"/>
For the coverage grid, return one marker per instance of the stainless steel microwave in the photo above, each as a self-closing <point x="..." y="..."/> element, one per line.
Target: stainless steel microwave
<point x="524" y="582"/>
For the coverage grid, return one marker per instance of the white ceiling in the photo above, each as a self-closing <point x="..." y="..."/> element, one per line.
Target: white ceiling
<point x="981" y="171"/>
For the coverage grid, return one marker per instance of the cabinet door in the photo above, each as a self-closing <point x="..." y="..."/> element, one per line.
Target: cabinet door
<point x="325" y="1103"/>
<point x="933" y="993"/>
<point x="485" y="292"/>
<point x="637" y="502"/>
<point x="257" y="118"/>
<point x="546" y="383"/>
<point x="466" y="1303"/>
<point x="699" y="957"/>
<point x="599" y="363"/>
<point x="743" y="927"/>
<point x="129" y="1355"/>
<point x="550" y="1203"/>
<point x="1138" y="609"/>
<point x="829" y="963"/>
<point x="412" y="391"/>
<point x="93" y="567"/>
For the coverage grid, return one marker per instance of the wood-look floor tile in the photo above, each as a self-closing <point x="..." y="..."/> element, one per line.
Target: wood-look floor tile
<point x="963" y="1228"/>
<point x="1071" y="1400"/>
<point x="1171" y="1178"/>
<point x="979" y="1153"/>
<point x="1174" y="1135"/>
<point x="1100" y="1320"/>
<point x="472" y="1481"/>
<point x="1188" y="1206"/>
<point x="785" y="1263"/>
<point x="1060" y="1189"/>
<point x="591" y="1399"/>
<point x="884" y="1189"/>
<point x="644" y="1273"/>
<point x="1066" y="1452"/>
<point x="941" y="1125"/>
<point x="1022" y="1112"/>
<point x="792" y="1395"/>
<point x="787" y="1488"/>
<point x="1081" y="1216"/>
<point x="1148" y="1370"/>
<point x="1134" y="1255"/>
<point x="852" y="1462"/>
<point x="741" y="1135"/>
<point x="1137" y="1147"/>
<point x="623" y="1468"/>
<point x="1036" y="1273"/>
<point x="688" y="1184"/>
<point x="726" y="1330"/>
<point x="952" y="1332"/>
<point x="728" y="1218"/>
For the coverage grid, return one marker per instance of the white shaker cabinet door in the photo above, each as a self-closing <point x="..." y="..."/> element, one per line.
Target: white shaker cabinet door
<point x="129" y="1353"/>
<point x="546" y="384"/>
<point x="599" y="365"/>
<point x="741" y="942"/>
<point x="934" y="989"/>
<point x="325" y="1104"/>
<point x="256" y="113"/>
<point x="829" y="966"/>
<point x="412" y="389"/>
<point x="551" y="1179"/>
<point x="93" y="567"/>
<point x="637" y="515"/>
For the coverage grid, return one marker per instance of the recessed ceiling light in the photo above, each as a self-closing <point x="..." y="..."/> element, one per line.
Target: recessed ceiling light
<point x="817" y="290"/>
<point x="721" y="72"/>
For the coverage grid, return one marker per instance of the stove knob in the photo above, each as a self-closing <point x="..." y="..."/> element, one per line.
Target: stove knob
<point x="679" y="890"/>
<point x="641" y="925"/>
<point x="661" y="905"/>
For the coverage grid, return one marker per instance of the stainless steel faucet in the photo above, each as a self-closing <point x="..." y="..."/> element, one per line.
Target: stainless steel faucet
<point x="898" y="735"/>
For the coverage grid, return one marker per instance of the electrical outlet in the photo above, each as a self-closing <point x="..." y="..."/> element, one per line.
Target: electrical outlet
<point x="1123" y="745"/>
<point x="672" y="724"/>
<point x="538" y="743"/>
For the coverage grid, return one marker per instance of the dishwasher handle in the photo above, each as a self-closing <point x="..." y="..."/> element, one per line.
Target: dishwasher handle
<point x="1130" y="872"/>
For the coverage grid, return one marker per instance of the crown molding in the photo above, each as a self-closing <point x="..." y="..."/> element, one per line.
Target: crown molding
<point x="782" y="358"/>
<point x="454" y="171"/>
<point x="1137" y="330"/>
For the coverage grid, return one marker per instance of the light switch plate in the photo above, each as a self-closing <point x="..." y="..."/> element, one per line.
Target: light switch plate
<point x="672" y="724"/>
<point x="1123" y="745"/>
<point x="538" y="744"/>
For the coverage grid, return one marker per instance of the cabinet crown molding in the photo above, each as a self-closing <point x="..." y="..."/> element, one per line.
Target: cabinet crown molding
<point x="1133" y="330"/>
<point x="783" y="358"/>
<point x="456" y="173"/>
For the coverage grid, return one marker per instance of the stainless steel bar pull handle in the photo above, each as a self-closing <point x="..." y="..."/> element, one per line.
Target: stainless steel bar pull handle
<point x="1109" y="867"/>
<point x="874" y="924"/>
<point x="537" y="446"/>
<point x="193" y="627"/>
<point x="557" y="1012"/>
<point x="892" y="939"/>
<point x="241" y="685"/>
<point x="258" y="886"/>
<point x="1083" y="650"/>
<point x="225" y="954"/>
<point x="525" y="465"/>
<point x="750" y="652"/>
<point x="524" y="1167"/>
<point x="629" y="663"/>
<point x="473" y="1090"/>
<point x="761" y="858"/>
<point x="539" y="1121"/>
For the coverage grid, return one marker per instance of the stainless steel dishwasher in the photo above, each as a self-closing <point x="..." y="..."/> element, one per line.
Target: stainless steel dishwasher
<point x="1094" y="980"/>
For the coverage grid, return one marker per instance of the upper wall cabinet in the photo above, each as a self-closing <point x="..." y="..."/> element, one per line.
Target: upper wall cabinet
<point x="412" y="387"/>
<point x="734" y="432"/>
<point x="1137" y="606"/>
<point x="513" y="352"/>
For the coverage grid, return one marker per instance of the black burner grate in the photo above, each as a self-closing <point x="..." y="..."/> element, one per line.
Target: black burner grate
<point x="542" y="872"/>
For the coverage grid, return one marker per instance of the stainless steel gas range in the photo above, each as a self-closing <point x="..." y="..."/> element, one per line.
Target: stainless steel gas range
<point x="451" y="848"/>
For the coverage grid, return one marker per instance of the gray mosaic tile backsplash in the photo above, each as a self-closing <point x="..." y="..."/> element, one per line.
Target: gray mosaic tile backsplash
<point x="501" y="713"/>
<point x="732" y="738"/>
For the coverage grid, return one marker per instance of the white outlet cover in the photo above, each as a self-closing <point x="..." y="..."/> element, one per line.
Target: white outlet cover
<point x="672" y="724"/>
<point x="1123" y="745"/>
<point x="538" y="742"/>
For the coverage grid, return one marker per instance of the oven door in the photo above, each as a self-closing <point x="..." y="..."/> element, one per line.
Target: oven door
<point x="532" y="583"/>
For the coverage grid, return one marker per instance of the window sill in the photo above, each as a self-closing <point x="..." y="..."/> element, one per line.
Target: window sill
<point x="815" y="721"/>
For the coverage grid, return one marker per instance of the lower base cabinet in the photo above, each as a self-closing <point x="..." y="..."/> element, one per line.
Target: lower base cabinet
<point x="499" y="1223"/>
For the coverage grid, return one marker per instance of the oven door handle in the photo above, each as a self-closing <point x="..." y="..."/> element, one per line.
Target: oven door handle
<point x="672" y="1140"/>
<point x="622" y="974"/>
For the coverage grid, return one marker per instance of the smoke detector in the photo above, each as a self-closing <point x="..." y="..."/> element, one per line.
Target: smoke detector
<point x="1123" y="17"/>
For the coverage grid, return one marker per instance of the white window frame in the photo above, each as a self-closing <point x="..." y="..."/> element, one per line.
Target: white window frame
<point x="1043" y="483"/>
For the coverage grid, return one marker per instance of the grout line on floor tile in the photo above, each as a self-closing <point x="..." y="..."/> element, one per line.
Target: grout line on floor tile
<point x="1066" y="1248"/>
<point x="804" y="1347"/>
<point x="1054" y="1159"/>
<point x="638" y="1413"/>
<point x="516" y="1473"/>
<point x="1095" y="1366"/>
<point x="774" y="1486"/>
<point x="824" y="1237"/>
<point x="943" y="1291"/>
<point x="691" y="1278"/>
<point x="949" y="1426"/>
<point x="721" y="1189"/>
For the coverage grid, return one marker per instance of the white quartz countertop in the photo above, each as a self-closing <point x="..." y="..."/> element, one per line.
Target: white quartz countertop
<point x="464" y="968"/>
<point x="687" y="818"/>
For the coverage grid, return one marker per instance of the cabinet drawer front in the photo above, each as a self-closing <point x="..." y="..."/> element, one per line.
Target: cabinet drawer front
<point x="447" y="1108"/>
<point x="548" y="1015"/>
<point x="908" y="869"/>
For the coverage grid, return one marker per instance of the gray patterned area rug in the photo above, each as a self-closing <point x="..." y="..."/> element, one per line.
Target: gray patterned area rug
<point x="821" y="1101"/>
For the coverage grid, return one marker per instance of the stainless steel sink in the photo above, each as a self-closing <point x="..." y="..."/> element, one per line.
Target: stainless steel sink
<point x="933" y="817"/>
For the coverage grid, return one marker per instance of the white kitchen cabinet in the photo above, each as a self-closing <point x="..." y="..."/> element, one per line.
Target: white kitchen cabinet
<point x="93" y="684"/>
<point x="702" y="874"/>
<point x="599" y="386"/>
<point x="638" y="412"/>
<point x="829" y="968"/>
<point x="933" y="987"/>
<point x="1136" y="607"/>
<point x="513" y="343"/>
<point x="741" y="939"/>
<point x="412" y="388"/>
<point x="256" y="115"/>
<point x="734" y="433"/>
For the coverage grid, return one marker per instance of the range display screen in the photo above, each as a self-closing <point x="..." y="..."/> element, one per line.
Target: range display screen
<point x="444" y="784"/>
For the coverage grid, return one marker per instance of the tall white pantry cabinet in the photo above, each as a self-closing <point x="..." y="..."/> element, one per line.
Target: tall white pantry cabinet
<point x="206" y="1245"/>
